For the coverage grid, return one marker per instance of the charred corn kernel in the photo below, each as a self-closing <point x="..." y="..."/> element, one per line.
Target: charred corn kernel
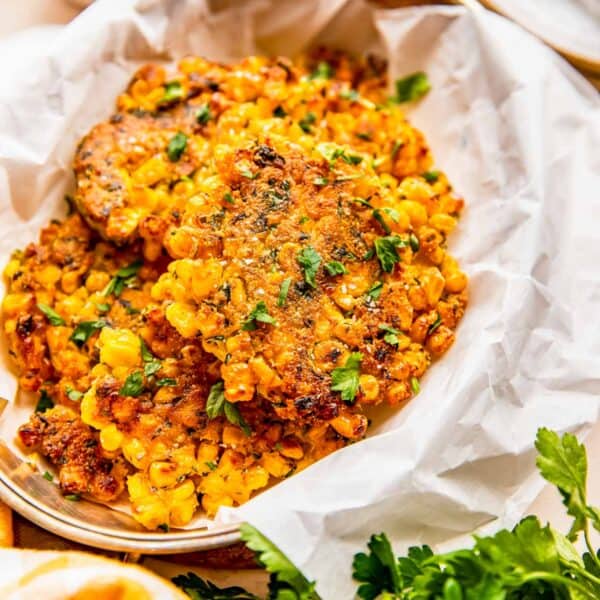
<point x="239" y="382"/>
<point x="275" y="464"/>
<point x="12" y="268"/>
<point x="111" y="438"/>
<point x="369" y="386"/>
<point x="90" y="414"/>
<point x="182" y="511"/>
<point x="456" y="282"/>
<point x="14" y="304"/>
<point x="291" y="448"/>
<point x="163" y="474"/>
<point x="151" y="172"/>
<point x="416" y="212"/>
<point x="184" y="318"/>
<point x="350" y="426"/>
<point x="206" y="279"/>
<point x="211" y="504"/>
<point x="49" y="276"/>
<point x="233" y="436"/>
<point x="443" y="223"/>
<point x="263" y="373"/>
<point x="165" y="394"/>
<point x="256" y="477"/>
<point x="432" y="283"/>
<point x="119" y="347"/>
<point x="135" y="452"/>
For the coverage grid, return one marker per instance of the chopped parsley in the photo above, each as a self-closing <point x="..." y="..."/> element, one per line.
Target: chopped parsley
<point x="103" y="306"/>
<point x="379" y="218"/>
<point x="123" y="278"/>
<point x="211" y="465"/>
<point x="331" y="153"/>
<point x="361" y="135"/>
<point x="414" y="243"/>
<point x="431" y="176"/>
<point x="203" y="116"/>
<point x="145" y="352"/>
<point x="259" y="314"/>
<point x="173" y="93"/>
<point x="415" y="386"/>
<point x="307" y="121"/>
<point x="322" y="71"/>
<point x="248" y="174"/>
<point x="283" y="291"/>
<point x="164" y="527"/>
<point x="228" y="197"/>
<point x="279" y="112"/>
<point x="177" y="146"/>
<point x="309" y="259"/>
<point x="435" y="324"/>
<point x="396" y="148"/>
<point x="320" y="181"/>
<point x="374" y="291"/>
<point x="74" y="395"/>
<point x="44" y="403"/>
<point x="48" y="476"/>
<point x="166" y="382"/>
<point x="391" y="335"/>
<point x="72" y="497"/>
<point x="84" y="330"/>
<point x="53" y="317"/>
<point x="410" y="88"/>
<point x="346" y="379"/>
<point x="335" y="268"/>
<point x="152" y="367"/>
<point x="133" y="386"/>
<point x="217" y="406"/>
<point x="387" y="253"/>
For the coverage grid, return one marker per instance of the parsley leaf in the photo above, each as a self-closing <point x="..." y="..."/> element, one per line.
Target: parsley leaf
<point x="391" y="335"/>
<point x="228" y="197"/>
<point x="414" y="243"/>
<point x="166" y="382"/>
<point x="44" y="403"/>
<point x="435" y="324"/>
<point x="291" y="583"/>
<point x="412" y="87"/>
<point x="122" y="278"/>
<point x="147" y="356"/>
<point x="152" y="367"/>
<point x="431" y="176"/>
<point x="563" y="462"/>
<point x="217" y="406"/>
<point x="322" y="71"/>
<point x="283" y="291"/>
<point x="203" y="115"/>
<point x="379" y="218"/>
<point x="84" y="330"/>
<point x="48" y="476"/>
<point x="309" y="259"/>
<point x="415" y="385"/>
<point x="279" y="112"/>
<point x="396" y="147"/>
<point x="378" y="570"/>
<point x="320" y="181"/>
<point x="173" y="93"/>
<point x="307" y="121"/>
<point x="177" y="146"/>
<point x="335" y="268"/>
<point x="387" y="253"/>
<point x="351" y="95"/>
<point x="374" y="291"/>
<point x="53" y="317"/>
<point x="134" y="385"/>
<point x="202" y="589"/>
<point x="346" y="379"/>
<point x="260" y="313"/>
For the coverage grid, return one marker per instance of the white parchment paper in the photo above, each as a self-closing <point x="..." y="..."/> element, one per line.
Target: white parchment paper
<point x="517" y="131"/>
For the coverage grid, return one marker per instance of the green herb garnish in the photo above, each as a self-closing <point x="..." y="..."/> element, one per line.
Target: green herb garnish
<point x="173" y="93"/>
<point x="44" y="403"/>
<point x="335" y="268"/>
<point x="379" y="218"/>
<point x="431" y="176"/>
<point x="53" y="317"/>
<point x="259" y="314"/>
<point x="202" y="589"/>
<point x="217" y="405"/>
<point x="307" y="121"/>
<point x="177" y="146"/>
<point x="228" y="197"/>
<point x="283" y="291"/>
<point x="412" y="87"/>
<point x="322" y="71"/>
<point x="166" y="382"/>
<point x="346" y="379"/>
<point x="72" y="497"/>
<point x="48" y="476"/>
<point x="203" y="116"/>
<point x="279" y="112"/>
<point x="74" y="395"/>
<point x="123" y="277"/>
<point x="84" y="330"/>
<point x="391" y="335"/>
<point x="134" y="385"/>
<point x="413" y="241"/>
<point x="374" y="291"/>
<point x="415" y="385"/>
<point x="309" y="259"/>
<point x="435" y="324"/>
<point x="387" y="253"/>
<point x="320" y="181"/>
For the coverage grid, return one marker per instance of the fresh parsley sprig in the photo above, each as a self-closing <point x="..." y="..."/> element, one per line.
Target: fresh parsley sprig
<point x="530" y="562"/>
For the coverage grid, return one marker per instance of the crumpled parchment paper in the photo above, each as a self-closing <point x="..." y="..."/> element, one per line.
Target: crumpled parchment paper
<point x="517" y="131"/>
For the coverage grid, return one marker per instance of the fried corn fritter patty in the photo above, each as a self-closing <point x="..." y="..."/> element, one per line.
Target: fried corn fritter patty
<point x="264" y="258"/>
